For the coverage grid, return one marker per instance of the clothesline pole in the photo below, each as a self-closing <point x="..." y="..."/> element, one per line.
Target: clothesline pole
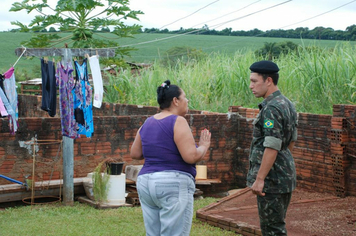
<point x="68" y="143"/>
<point x="68" y="157"/>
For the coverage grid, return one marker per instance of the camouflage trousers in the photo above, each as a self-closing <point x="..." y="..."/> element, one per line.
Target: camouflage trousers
<point x="272" y="209"/>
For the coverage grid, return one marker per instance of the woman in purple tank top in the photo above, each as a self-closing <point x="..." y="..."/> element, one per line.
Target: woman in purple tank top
<point x="166" y="183"/>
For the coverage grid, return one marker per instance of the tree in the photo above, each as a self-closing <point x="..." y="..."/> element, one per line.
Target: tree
<point x="182" y="54"/>
<point x="226" y="31"/>
<point x="81" y="18"/>
<point x="351" y="31"/>
<point x="269" y="50"/>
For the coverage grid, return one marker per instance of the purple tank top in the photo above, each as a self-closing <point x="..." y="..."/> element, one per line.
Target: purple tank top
<point x="159" y="149"/>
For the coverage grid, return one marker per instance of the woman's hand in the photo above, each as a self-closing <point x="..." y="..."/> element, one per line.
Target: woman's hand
<point x="186" y="144"/>
<point x="205" y="137"/>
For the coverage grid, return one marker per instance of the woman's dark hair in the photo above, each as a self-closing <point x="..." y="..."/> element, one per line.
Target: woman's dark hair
<point x="165" y="94"/>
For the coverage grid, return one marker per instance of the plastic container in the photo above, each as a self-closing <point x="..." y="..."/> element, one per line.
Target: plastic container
<point x="115" y="168"/>
<point x="117" y="188"/>
<point x="202" y="172"/>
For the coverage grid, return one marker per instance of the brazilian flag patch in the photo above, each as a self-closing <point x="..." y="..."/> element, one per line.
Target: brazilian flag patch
<point x="268" y="124"/>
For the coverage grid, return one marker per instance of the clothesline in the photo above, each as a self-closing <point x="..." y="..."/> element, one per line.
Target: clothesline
<point x="8" y="107"/>
<point x="63" y="52"/>
<point x="86" y="55"/>
<point x="19" y="57"/>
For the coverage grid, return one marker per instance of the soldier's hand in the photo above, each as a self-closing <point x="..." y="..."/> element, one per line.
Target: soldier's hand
<point x="257" y="187"/>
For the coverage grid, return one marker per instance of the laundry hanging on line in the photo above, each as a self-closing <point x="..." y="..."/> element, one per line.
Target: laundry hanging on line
<point x="75" y="95"/>
<point x="82" y="94"/>
<point x="9" y="99"/>
<point x="97" y="80"/>
<point x="65" y="82"/>
<point x="49" y="88"/>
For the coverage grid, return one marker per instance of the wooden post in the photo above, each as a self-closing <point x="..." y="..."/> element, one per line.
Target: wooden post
<point x="68" y="156"/>
<point x="68" y="143"/>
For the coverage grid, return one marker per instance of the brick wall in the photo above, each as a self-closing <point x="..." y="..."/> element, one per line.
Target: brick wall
<point x="325" y="153"/>
<point x="115" y="126"/>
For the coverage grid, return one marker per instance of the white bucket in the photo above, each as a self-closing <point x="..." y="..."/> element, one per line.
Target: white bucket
<point x="202" y="172"/>
<point x="117" y="188"/>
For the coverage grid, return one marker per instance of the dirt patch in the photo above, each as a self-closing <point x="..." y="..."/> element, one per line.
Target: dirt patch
<point x="310" y="213"/>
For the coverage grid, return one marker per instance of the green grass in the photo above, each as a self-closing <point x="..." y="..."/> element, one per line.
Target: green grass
<point x="228" y="45"/>
<point x="82" y="219"/>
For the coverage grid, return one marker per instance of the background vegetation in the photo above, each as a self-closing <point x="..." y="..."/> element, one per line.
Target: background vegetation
<point x="300" y="32"/>
<point x="311" y="77"/>
<point x="213" y="70"/>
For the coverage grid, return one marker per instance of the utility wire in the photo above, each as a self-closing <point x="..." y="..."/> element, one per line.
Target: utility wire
<point x="185" y="16"/>
<point x="190" y="14"/>
<point x="212" y="19"/>
<point x="318" y="15"/>
<point x="287" y="25"/>
<point x="265" y="32"/>
<point x="214" y="26"/>
<point x="239" y="18"/>
<point x="226" y="14"/>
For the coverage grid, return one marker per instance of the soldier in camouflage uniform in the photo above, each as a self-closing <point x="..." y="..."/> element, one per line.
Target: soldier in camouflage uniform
<point x="271" y="174"/>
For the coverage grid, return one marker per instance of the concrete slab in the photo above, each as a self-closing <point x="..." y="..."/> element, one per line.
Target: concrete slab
<point x="310" y="213"/>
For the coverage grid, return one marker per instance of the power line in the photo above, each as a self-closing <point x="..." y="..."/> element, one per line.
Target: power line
<point x="194" y="31"/>
<point x="190" y="14"/>
<point x="265" y="32"/>
<point x="290" y="24"/>
<point x="253" y="13"/>
<point x="318" y="15"/>
<point x="227" y="14"/>
<point x="186" y="16"/>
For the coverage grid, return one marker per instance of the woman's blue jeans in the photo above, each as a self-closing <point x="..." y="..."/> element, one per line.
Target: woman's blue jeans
<point x="167" y="200"/>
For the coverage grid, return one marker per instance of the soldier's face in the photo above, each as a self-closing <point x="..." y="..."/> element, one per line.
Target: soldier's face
<point x="257" y="85"/>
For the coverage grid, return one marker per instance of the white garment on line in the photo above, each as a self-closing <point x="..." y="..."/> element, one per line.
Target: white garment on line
<point x="97" y="80"/>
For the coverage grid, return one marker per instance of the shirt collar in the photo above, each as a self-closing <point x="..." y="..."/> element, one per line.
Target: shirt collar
<point x="269" y="98"/>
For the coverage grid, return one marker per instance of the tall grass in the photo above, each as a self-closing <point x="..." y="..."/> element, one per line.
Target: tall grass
<point x="313" y="78"/>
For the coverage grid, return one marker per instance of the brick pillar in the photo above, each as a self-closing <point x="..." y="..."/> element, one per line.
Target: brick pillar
<point x="338" y="139"/>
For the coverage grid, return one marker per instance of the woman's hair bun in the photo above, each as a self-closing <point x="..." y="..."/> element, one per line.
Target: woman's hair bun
<point x="166" y="84"/>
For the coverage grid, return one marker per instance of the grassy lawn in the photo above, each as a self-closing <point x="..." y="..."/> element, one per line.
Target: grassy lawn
<point x="82" y="219"/>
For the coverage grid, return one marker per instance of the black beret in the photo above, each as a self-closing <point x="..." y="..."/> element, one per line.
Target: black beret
<point x="264" y="67"/>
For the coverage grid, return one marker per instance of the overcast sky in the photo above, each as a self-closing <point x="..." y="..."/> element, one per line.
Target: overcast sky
<point x="220" y="14"/>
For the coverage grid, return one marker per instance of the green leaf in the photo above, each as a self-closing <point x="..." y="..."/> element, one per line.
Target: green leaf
<point x="81" y="19"/>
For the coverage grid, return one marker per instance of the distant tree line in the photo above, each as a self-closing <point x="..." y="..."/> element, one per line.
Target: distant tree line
<point x="301" y="32"/>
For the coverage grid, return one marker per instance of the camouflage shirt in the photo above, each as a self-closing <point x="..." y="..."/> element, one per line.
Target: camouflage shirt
<point x="274" y="127"/>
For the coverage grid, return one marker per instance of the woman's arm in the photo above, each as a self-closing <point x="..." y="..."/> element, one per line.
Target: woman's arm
<point x="186" y="144"/>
